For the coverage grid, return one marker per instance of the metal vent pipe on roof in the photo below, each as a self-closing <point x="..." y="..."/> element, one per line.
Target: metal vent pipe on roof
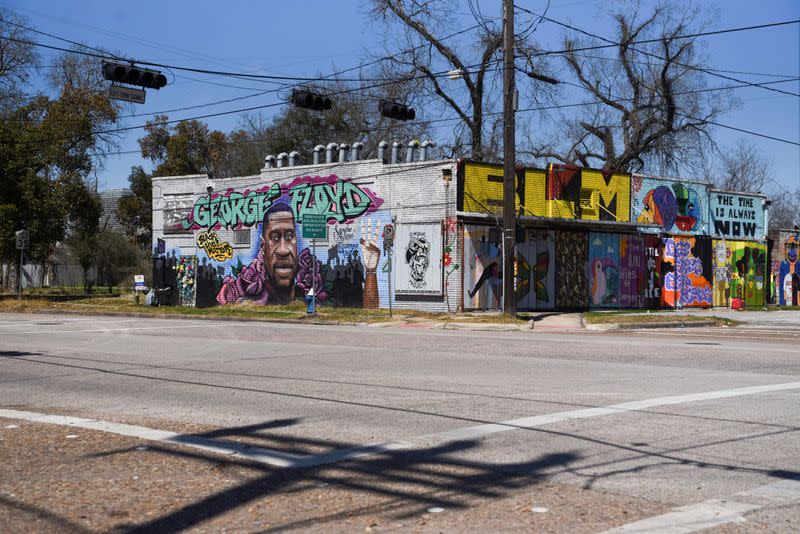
<point x="382" y="146"/>
<point x="395" y="151"/>
<point x="423" y="152"/>
<point x="343" y="148"/>
<point x="294" y="157"/>
<point x="412" y="145"/>
<point x="269" y="161"/>
<point x="329" y="152"/>
<point x="318" y="154"/>
<point x="283" y="157"/>
<point x="356" y="149"/>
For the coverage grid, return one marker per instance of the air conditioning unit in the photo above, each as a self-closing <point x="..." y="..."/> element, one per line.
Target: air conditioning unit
<point x="589" y="202"/>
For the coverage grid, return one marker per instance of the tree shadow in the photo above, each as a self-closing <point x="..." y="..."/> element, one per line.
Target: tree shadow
<point x="18" y="353"/>
<point x="44" y="519"/>
<point x="409" y="481"/>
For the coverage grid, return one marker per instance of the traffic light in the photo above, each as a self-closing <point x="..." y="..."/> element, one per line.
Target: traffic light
<point x="304" y="98"/>
<point x="396" y="111"/>
<point x="117" y="72"/>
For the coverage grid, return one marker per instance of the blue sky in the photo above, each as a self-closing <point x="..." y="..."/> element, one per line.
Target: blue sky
<point x="310" y="37"/>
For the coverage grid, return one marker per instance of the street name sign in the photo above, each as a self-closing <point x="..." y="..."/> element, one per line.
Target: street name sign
<point x="315" y="226"/>
<point x="127" y="94"/>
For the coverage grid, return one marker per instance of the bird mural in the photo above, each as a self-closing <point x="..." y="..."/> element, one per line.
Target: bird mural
<point x="605" y="278"/>
<point x="598" y="282"/>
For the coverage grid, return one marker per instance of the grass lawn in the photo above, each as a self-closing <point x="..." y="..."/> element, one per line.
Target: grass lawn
<point x="653" y="317"/>
<point x="126" y="303"/>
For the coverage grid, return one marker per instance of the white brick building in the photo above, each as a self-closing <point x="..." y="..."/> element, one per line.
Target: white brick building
<point x="215" y="239"/>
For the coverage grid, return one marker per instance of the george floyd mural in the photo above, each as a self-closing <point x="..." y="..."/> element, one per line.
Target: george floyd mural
<point x="269" y="262"/>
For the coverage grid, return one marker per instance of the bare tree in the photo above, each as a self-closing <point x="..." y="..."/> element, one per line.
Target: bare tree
<point x="649" y="107"/>
<point x="428" y="53"/>
<point x="17" y="60"/>
<point x="744" y="168"/>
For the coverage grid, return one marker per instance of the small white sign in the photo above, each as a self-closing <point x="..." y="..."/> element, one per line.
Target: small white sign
<point x="138" y="280"/>
<point x="127" y="94"/>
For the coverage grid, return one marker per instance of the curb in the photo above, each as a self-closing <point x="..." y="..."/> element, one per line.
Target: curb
<point x="603" y="327"/>
<point x="496" y="327"/>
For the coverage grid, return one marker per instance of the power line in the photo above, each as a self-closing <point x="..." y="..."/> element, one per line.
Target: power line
<point x="542" y="108"/>
<point x="687" y="36"/>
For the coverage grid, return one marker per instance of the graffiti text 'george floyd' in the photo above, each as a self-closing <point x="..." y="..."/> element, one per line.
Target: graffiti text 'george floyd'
<point x="337" y="199"/>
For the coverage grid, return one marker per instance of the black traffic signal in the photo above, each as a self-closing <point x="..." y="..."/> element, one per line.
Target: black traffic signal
<point x="396" y="111"/>
<point x="304" y="98"/>
<point x="117" y="72"/>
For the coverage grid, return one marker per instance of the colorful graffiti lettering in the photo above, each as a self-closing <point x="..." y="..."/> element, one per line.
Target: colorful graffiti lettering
<point x="232" y="209"/>
<point x="557" y="192"/>
<point x="217" y="250"/>
<point x="339" y="200"/>
<point x="686" y="285"/>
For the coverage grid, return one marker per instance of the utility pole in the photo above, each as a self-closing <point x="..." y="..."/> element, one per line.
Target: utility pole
<point x="509" y="160"/>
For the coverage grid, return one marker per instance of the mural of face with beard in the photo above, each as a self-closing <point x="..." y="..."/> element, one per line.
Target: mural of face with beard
<point x="417" y="258"/>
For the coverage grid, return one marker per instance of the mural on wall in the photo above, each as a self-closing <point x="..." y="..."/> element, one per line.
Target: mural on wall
<point x="535" y="270"/>
<point x="653" y="280"/>
<point x="572" y="255"/>
<point x="450" y="229"/>
<point x="721" y="259"/>
<point x="563" y="191"/>
<point x="632" y="271"/>
<point x="686" y="271"/>
<point x="209" y="241"/>
<point x="677" y="207"/>
<point x="186" y="271"/>
<point x="279" y="266"/>
<point x="483" y="267"/>
<point x="737" y="215"/>
<point x="789" y="272"/>
<point x="603" y="270"/>
<point x="748" y="265"/>
<point x="418" y="253"/>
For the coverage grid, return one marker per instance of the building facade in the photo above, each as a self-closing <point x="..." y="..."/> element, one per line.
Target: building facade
<point x="586" y="238"/>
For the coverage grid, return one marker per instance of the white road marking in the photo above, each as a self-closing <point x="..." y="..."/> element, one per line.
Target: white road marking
<point x="539" y="420"/>
<point x="714" y="512"/>
<point x="280" y="459"/>
<point x="275" y="458"/>
<point x="170" y="327"/>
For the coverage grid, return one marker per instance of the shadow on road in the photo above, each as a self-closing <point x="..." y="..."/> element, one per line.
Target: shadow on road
<point x="408" y="482"/>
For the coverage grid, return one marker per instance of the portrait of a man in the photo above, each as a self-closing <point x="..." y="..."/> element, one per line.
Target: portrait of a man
<point x="272" y="276"/>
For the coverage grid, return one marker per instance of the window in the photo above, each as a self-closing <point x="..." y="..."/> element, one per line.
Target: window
<point x="241" y="237"/>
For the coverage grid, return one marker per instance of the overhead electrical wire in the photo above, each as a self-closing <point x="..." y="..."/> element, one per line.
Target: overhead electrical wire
<point x="656" y="56"/>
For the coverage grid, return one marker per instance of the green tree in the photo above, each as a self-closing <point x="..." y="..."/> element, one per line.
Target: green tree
<point x="116" y="258"/>
<point x="135" y="211"/>
<point x="83" y="237"/>
<point x="187" y="147"/>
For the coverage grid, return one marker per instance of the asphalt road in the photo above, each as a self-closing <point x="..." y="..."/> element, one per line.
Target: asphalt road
<point x="701" y="423"/>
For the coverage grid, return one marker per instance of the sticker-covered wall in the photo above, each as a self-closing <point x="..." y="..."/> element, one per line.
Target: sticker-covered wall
<point x="244" y="236"/>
